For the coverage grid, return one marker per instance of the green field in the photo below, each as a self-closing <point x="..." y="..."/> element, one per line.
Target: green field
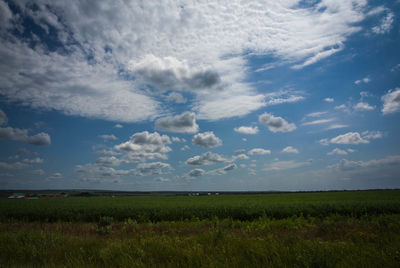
<point x="324" y="229"/>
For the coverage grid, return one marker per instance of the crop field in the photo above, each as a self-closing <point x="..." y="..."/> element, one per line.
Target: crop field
<point x="323" y="229"/>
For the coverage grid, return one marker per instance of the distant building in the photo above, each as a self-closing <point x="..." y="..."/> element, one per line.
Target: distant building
<point x="16" y="196"/>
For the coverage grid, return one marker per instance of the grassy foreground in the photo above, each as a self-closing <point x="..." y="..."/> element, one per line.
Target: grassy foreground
<point x="360" y="229"/>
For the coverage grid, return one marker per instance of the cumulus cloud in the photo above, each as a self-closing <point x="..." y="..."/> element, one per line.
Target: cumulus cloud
<point x="171" y="73"/>
<point x="207" y="139"/>
<point x="145" y="146"/>
<point x="148" y="142"/>
<point x="290" y="149"/>
<point x="184" y="123"/>
<point x="147" y="169"/>
<point x="246" y="130"/>
<point x="16" y="134"/>
<point x="92" y="70"/>
<point x="41" y="139"/>
<point x="207" y="158"/>
<point x="391" y="101"/>
<point x="259" y="151"/>
<point x="240" y="157"/>
<point x="110" y="137"/>
<point x="185" y="147"/>
<point x="177" y="139"/>
<point x="276" y="123"/>
<point x="363" y="106"/>
<point x="108" y="161"/>
<point x="3" y="118"/>
<point x="349" y="138"/>
<point x="329" y="100"/>
<point x="197" y="172"/>
<point x="337" y="151"/>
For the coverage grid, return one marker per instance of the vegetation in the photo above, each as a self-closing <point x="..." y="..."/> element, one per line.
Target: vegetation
<point x="245" y="207"/>
<point x="337" y="229"/>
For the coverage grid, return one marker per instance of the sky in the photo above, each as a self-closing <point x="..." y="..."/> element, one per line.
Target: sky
<point x="200" y="95"/>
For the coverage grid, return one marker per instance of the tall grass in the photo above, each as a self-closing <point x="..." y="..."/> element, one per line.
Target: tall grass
<point x="334" y="241"/>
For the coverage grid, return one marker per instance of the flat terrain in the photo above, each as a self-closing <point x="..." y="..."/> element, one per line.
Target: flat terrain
<point x="325" y="229"/>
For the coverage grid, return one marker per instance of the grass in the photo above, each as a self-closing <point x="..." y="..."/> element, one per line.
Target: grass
<point x="175" y="208"/>
<point x="336" y="229"/>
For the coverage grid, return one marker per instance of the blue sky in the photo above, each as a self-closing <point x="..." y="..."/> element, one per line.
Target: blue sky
<point x="192" y="95"/>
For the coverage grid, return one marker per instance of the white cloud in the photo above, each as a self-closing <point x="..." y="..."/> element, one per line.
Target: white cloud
<point x="246" y="130"/>
<point x="185" y="147"/>
<point x="324" y="142"/>
<point x="363" y="106"/>
<point x="316" y="114"/>
<point x="371" y="135"/>
<point x="175" y="97"/>
<point x="318" y="122"/>
<point x="290" y="149"/>
<point x="329" y="100"/>
<point x="283" y="96"/>
<point x="177" y="139"/>
<point x="337" y="151"/>
<point x="145" y="145"/>
<point x="16" y="134"/>
<point x="259" y="151"/>
<point x="359" y="166"/>
<point x="223" y="170"/>
<point x="206" y="139"/>
<point x="163" y="46"/>
<point x="365" y="80"/>
<point x="183" y="123"/>
<point x="207" y="158"/>
<point x="391" y="101"/>
<point x="3" y="118"/>
<point x="148" y="169"/>
<point x="110" y="137"/>
<point x="148" y="142"/>
<point x="240" y="157"/>
<point x="284" y="165"/>
<point x="108" y="161"/>
<point x="36" y="160"/>
<point x="38" y="172"/>
<point x="385" y="24"/>
<point x="197" y="172"/>
<point x="161" y="179"/>
<point x="276" y="123"/>
<point x="55" y="176"/>
<point x="15" y="165"/>
<point x="118" y="126"/>
<point x="336" y="126"/>
<point x="349" y="138"/>
<point x="341" y="107"/>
